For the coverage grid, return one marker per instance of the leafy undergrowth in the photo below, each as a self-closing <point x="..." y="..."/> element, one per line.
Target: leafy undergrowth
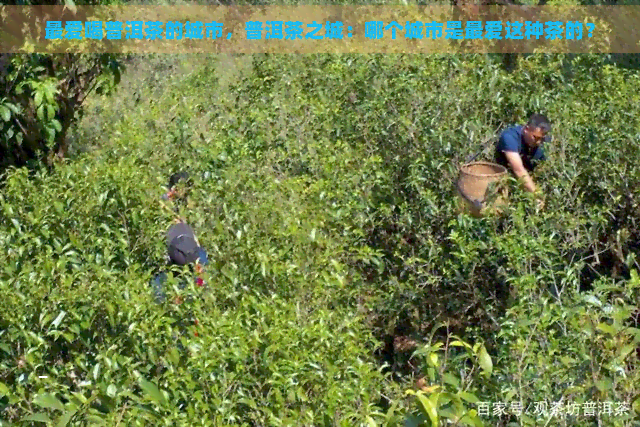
<point x="323" y="194"/>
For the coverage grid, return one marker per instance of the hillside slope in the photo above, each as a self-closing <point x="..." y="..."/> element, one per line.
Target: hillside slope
<point x="323" y="194"/>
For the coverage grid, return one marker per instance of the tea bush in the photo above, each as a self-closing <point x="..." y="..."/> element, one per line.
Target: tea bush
<point x="324" y="196"/>
<point x="88" y="323"/>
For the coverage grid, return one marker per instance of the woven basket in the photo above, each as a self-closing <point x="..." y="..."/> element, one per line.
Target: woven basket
<point x="475" y="179"/>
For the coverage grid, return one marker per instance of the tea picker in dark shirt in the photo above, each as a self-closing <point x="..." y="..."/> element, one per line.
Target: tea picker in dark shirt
<point x="520" y="148"/>
<point x="178" y="179"/>
<point x="179" y="187"/>
<point x="183" y="249"/>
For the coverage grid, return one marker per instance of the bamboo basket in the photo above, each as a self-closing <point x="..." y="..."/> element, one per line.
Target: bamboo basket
<point x="482" y="187"/>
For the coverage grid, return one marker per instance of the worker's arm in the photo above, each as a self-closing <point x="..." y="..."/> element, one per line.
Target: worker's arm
<point x="518" y="168"/>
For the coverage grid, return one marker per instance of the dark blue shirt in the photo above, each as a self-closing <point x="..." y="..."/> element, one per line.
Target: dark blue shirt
<point x="157" y="283"/>
<point x="512" y="140"/>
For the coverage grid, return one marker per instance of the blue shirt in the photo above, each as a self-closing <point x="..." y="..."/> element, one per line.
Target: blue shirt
<point x="157" y="283"/>
<point x="512" y="140"/>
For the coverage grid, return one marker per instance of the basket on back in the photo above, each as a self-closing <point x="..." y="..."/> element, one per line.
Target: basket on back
<point x="481" y="185"/>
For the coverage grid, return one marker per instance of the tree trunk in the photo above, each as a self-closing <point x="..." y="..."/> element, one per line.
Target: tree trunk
<point x="66" y="119"/>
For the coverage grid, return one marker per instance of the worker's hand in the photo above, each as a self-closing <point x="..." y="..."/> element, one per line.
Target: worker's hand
<point x="199" y="268"/>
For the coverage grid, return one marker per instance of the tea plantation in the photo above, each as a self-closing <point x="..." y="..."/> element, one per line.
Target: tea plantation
<point x="344" y="288"/>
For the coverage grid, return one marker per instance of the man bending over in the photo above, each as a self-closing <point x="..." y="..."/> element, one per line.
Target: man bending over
<point x="520" y="148"/>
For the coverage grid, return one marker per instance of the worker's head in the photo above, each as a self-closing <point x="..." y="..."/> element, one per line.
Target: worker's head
<point x="536" y="130"/>
<point x="184" y="249"/>
<point x="182" y="245"/>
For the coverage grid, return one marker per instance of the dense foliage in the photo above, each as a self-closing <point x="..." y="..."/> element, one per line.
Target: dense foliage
<point x="342" y="270"/>
<point x="43" y="95"/>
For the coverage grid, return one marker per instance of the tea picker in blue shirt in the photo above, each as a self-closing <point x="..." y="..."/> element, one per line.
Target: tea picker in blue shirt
<point x="183" y="249"/>
<point x="521" y="148"/>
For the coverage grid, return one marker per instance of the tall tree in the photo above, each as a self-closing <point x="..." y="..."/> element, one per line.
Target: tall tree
<point x="43" y="96"/>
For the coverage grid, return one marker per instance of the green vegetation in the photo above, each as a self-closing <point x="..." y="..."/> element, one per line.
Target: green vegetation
<point x="43" y="97"/>
<point x="341" y="269"/>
